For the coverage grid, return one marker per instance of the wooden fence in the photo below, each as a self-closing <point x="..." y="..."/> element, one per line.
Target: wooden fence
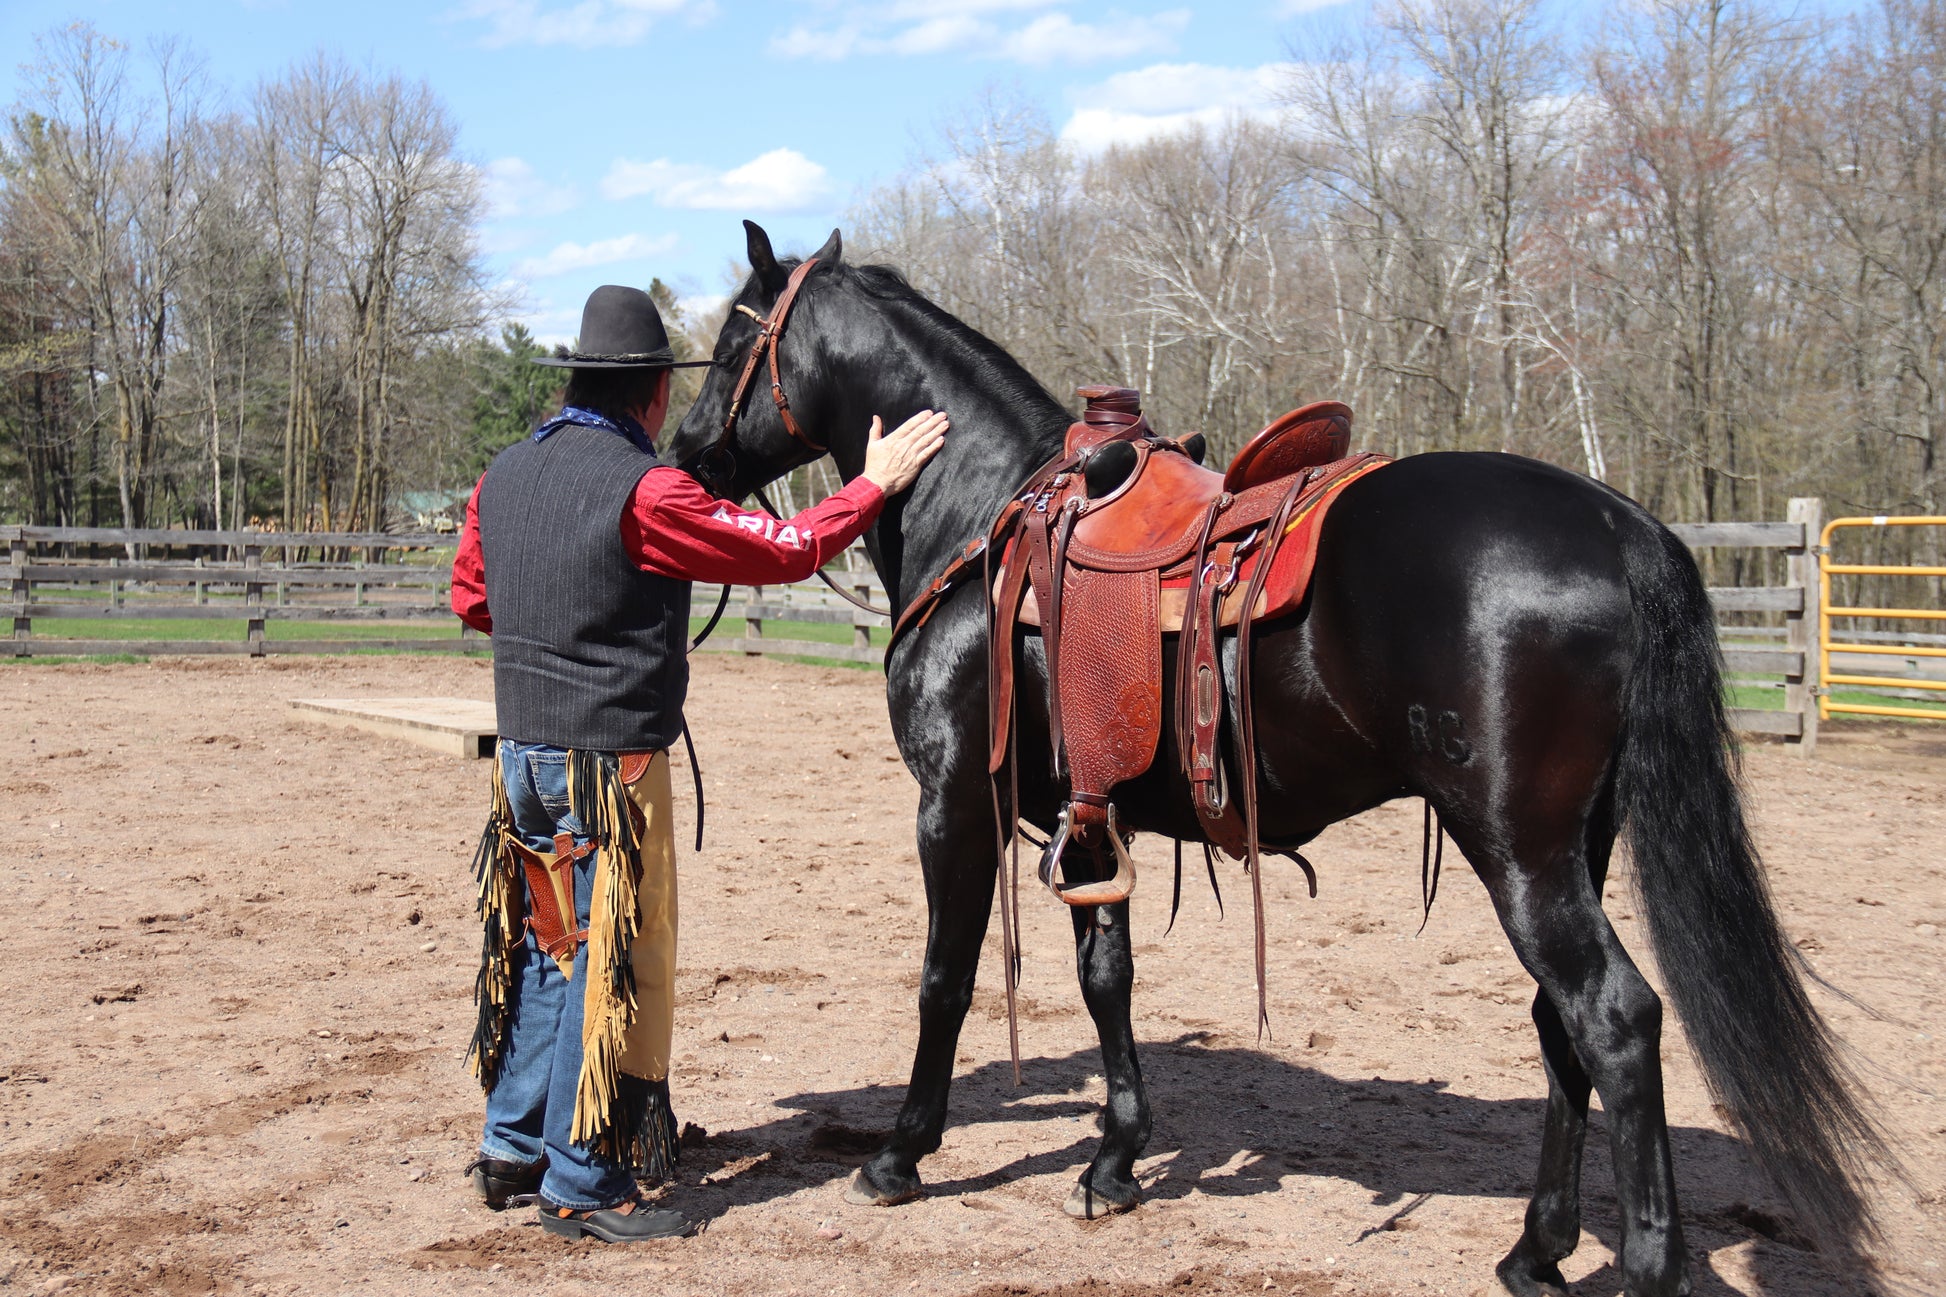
<point x="70" y="573"/>
<point x="1794" y="662"/>
<point x="64" y="573"/>
<point x="404" y="580"/>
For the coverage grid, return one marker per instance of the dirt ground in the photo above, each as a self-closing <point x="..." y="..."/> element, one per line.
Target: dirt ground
<point x="235" y="991"/>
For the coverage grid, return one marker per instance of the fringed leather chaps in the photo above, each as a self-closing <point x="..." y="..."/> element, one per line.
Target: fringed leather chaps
<point x="622" y="1108"/>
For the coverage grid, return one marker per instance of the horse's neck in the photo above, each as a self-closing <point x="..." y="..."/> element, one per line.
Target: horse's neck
<point x="1004" y="426"/>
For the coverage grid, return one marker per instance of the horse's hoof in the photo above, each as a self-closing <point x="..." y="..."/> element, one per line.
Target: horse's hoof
<point x="861" y="1192"/>
<point x="1530" y="1280"/>
<point x="1085" y="1204"/>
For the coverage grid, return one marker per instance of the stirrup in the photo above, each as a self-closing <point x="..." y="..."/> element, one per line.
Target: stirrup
<point x="1106" y="892"/>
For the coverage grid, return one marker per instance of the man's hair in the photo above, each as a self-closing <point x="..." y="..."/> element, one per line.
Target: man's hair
<point x="612" y="391"/>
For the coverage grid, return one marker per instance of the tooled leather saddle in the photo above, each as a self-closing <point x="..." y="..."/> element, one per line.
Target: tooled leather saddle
<point x="1120" y="540"/>
<point x="1126" y="538"/>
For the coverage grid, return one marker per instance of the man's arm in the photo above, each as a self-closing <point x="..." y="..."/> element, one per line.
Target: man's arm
<point x="469" y="570"/>
<point x="674" y="527"/>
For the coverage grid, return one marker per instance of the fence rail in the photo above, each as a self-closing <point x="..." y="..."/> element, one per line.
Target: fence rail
<point x="1915" y="682"/>
<point x="1796" y="599"/>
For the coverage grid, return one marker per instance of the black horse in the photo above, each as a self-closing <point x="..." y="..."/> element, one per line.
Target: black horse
<point x="1526" y="649"/>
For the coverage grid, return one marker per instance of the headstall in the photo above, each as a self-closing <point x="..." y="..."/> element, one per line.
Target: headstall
<point x="718" y="463"/>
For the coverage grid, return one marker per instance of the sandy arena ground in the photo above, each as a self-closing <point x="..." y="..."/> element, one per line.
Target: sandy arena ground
<point x="235" y="990"/>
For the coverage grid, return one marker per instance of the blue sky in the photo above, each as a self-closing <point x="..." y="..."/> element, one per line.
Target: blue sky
<point x="626" y="138"/>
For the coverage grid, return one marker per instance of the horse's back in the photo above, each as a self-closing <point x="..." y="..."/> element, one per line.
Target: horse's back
<point x="1470" y="616"/>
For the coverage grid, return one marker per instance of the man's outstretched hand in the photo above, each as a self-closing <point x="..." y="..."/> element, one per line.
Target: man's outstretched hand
<point x="893" y="460"/>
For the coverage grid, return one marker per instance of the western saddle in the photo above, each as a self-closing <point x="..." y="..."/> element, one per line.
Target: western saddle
<point x="1124" y="538"/>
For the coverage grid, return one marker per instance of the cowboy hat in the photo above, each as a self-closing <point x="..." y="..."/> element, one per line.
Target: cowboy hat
<point x="620" y="329"/>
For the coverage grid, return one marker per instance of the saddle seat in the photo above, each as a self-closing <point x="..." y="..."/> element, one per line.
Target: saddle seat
<point x="1126" y="538"/>
<point x="1155" y="516"/>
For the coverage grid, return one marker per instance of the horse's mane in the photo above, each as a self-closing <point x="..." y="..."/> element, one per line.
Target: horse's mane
<point x="1027" y="399"/>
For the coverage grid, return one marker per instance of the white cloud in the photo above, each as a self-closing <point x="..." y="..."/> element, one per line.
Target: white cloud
<point x="1169" y="98"/>
<point x="978" y="29"/>
<point x="551" y="323"/>
<point x="781" y="180"/>
<point x="602" y="252"/>
<point x="702" y="306"/>
<point x="911" y="9"/>
<point x="1058" y="38"/>
<point x="587" y="24"/>
<point x="512" y="188"/>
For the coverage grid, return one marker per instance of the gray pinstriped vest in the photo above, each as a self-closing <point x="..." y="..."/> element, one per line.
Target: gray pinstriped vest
<point x="588" y="649"/>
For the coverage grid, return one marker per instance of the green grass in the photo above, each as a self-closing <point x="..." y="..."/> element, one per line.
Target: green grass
<point x="62" y="659"/>
<point x="352" y="633"/>
<point x="816" y="631"/>
<point x="174" y="628"/>
<point x="1759" y="698"/>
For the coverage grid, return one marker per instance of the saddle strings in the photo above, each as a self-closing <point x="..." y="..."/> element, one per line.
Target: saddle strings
<point x="1006" y="861"/>
<point x="1432" y="848"/>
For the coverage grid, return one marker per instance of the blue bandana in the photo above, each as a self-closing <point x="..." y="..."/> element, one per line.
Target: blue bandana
<point x="621" y="426"/>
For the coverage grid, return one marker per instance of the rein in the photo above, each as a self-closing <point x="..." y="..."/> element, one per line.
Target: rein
<point x="822" y="575"/>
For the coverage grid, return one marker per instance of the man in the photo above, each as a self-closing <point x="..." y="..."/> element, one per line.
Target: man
<point x="577" y="556"/>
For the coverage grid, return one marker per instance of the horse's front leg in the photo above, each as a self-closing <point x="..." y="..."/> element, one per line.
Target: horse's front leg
<point x="956" y="851"/>
<point x="1106" y="966"/>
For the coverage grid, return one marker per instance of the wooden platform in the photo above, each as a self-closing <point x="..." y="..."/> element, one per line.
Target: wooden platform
<point x="460" y="727"/>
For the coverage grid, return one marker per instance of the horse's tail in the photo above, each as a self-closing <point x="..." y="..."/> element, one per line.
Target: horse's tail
<point x="1765" y="1053"/>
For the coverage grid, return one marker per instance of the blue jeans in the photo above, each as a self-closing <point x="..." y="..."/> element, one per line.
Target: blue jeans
<point x="530" y="1111"/>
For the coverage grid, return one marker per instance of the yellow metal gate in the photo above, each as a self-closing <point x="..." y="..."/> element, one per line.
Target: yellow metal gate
<point x="1826" y="676"/>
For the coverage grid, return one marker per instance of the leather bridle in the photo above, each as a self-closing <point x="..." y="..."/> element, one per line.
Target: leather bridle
<point x="718" y="463"/>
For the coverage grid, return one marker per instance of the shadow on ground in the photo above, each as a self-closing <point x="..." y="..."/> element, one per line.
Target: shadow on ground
<point x="1400" y="1140"/>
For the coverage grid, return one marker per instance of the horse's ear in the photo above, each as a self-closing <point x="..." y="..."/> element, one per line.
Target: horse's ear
<point x="763" y="262"/>
<point x="832" y="252"/>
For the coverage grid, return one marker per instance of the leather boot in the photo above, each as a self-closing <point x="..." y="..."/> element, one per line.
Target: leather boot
<point x="498" y="1181"/>
<point x="630" y="1221"/>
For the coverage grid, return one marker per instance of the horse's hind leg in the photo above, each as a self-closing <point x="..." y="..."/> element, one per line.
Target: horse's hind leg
<point x="1600" y="1022"/>
<point x="1106" y="965"/>
<point x="956" y="852"/>
<point x="1554" y="1213"/>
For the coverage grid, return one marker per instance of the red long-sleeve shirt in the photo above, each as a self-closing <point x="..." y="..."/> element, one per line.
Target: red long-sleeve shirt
<point x="674" y="528"/>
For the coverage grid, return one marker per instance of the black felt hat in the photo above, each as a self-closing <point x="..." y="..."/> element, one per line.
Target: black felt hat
<point x="620" y="329"/>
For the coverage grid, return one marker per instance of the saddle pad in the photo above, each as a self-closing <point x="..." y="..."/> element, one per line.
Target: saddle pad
<point x="1290" y="572"/>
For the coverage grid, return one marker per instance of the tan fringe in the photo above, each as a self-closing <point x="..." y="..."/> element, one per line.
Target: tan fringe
<point x="598" y="797"/>
<point x="498" y="904"/>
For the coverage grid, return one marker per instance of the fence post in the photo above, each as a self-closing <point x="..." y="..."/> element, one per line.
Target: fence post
<point x="253" y="597"/>
<point x="1801" y="627"/>
<point x="115" y="587"/>
<point x="202" y="587"/>
<point x="753" y="627"/>
<point x="861" y="629"/>
<point x="23" y="594"/>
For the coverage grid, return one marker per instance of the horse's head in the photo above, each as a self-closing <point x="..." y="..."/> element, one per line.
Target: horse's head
<point x="767" y="405"/>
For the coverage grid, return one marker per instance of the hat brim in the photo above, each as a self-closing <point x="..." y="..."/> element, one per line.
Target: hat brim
<point x="577" y="362"/>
